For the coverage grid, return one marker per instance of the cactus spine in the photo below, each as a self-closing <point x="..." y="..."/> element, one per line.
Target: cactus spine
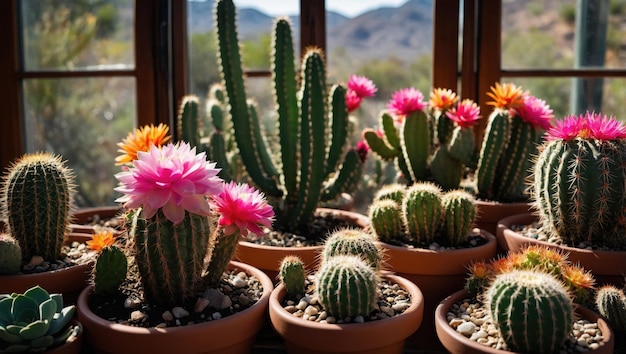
<point x="355" y="279"/>
<point x="170" y="258"/>
<point x="292" y="274"/>
<point x="37" y="200"/>
<point x="349" y="241"/>
<point x="422" y="210"/>
<point x="312" y="125"/>
<point x="459" y="215"/>
<point x="10" y="255"/>
<point x="611" y="304"/>
<point x="110" y="270"/>
<point x="394" y="191"/>
<point x="386" y="219"/>
<point x="531" y="309"/>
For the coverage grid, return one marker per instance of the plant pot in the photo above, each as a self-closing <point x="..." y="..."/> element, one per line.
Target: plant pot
<point x="83" y="218"/>
<point x="385" y="336"/>
<point x="488" y="213"/>
<point x="73" y="345"/>
<point x="68" y="281"/>
<point x="455" y="342"/>
<point x="608" y="267"/>
<point x="437" y="274"/>
<point x="233" y="334"/>
<point x="268" y="258"/>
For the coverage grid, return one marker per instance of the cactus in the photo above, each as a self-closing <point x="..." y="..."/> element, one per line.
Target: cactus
<point x="37" y="201"/>
<point x="349" y="241"/>
<point x="422" y="210"/>
<point x="292" y="274"/>
<point x="611" y="304"/>
<point x="434" y="147"/>
<point x="514" y="130"/>
<point x="394" y="191"/>
<point x="312" y="126"/>
<point x="34" y="321"/>
<point x="386" y="219"/>
<point x="346" y="286"/>
<point x="531" y="309"/>
<point x="459" y="215"/>
<point x="110" y="270"/>
<point x="10" y="255"/>
<point x="170" y="258"/>
<point x="579" y="181"/>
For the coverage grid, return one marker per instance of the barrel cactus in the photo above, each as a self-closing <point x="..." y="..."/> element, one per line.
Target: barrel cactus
<point x="347" y="286"/>
<point x="110" y="270"/>
<point x="292" y="274"/>
<point x="393" y="191"/>
<point x="532" y="310"/>
<point x="37" y="201"/>
<point x="459" y="215"/>
<point x="422" y="210"/>
<point x="386" y="219"/>
<point x="34" y="321"/>
<point x="611" y="303"/>
<point x="579" y="181"/>
<point x="10" y="255"/>
<point x="350" y="241"/>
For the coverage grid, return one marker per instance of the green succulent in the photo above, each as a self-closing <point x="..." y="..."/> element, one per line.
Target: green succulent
<point x="33" y="321"/>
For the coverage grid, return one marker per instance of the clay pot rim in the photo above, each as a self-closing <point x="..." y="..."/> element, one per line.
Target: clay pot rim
<point x="496" y="203"/>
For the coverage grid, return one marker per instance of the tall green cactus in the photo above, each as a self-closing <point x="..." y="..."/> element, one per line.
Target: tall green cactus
<point x="532" y="310"/>
<point x="37" y="201"/>
<point x="579" y="181"/>
<point x="170" y="258"/>
<point x="346" y="286"/>
<point x="312" y="126"/>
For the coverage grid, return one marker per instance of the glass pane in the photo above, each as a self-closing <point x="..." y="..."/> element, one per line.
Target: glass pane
<point x="77" y="34"/>
<point x="603" y="95"/>
<point x="565" y="34"/>
<point x="67" y="117"/>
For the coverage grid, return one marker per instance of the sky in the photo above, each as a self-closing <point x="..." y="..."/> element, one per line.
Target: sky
<point x="348" y="8"/>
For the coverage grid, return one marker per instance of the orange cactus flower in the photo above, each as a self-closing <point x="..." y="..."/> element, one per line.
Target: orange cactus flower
<point x="101" y="240"/>
<point x="479" y="270"/>
<point x="506" y="96"/>
<point x="141" y="140"/>
<point x="578" y="277"/>
<point x="442" y="99"/>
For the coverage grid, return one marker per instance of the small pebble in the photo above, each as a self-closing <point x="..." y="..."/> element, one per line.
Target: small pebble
<point x="180" y="312"/>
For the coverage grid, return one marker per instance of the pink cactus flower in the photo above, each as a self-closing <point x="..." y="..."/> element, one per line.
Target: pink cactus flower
<point x="536" y="112"/>
<point x="603" y="127"/>
<point x="353" y="100"/>
<point x="242" y="208"/>
<point x="406" y="101"/>
<point x="587" y="126"/>
<point x="362" y="150"/>
<point x="466" y="114"/>
<point x="362" y="86"/>
<point x="172" y="178"/>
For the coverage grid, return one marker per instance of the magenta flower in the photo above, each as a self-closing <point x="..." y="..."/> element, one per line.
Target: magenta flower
<point x="353" y="100"/>
<point x="536" y="112"/>
<point x="466" y="114"/>
<point x="172" y="178"/>
<point x="362" y="86"/>
<point x="406" y="101"/>
<point x="242" y="208"/>
<point x="588" y="126"/>
<point x="362" y="150"/>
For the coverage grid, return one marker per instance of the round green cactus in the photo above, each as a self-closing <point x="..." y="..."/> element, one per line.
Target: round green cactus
<point x="394" y="191"/>
<point x="532" y="310"/>
<point x="110" y="270"/>
<point x="37" y="200"/>
<point x="386" y="219"/>
<point x="10" y="255"/>
<point x="422" y="211"/>
<point x="611" y="304"/>
<point x="347" y="286"/>
<point x="349" y="241"/>
<point x="459" y="215"/>
<point x="292" y="274"/>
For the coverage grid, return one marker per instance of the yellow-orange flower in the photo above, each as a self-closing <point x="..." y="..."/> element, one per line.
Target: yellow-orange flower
<point x="442" y="99"/>
<point x="480" y="270"/>
<point x="506" y="96"/>
<point x="101" y="240"/>
<point x="577" y="277"/>
<point x="141" y="140"/>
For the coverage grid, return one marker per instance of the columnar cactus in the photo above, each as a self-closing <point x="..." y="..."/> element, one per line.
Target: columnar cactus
<point x="110" y="270"/>
<point x="424" y="214"/>
<point x="346" y="286"/>
<point x="348" y="241"/>
<point x="435" y="146"/>
<point x="531" y="309"/>
<point x="579" y="181"/>
<point x="611" y="304"/>
<point x="10" y="255"/>
<point x="312" y="125"/>
<point x="292" y="274"/>
<point x="37" y="201"/>
<point x="514" y="129"/>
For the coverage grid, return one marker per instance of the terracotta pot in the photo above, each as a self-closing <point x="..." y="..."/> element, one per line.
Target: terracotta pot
<point x="68" y="281"/>
<point x="82" y="217"/>
<point x="229" y="335"/>
<point x="608" y="267"/>
<point x="73" y="345"/>
<point x="488" y="213"/>
<point x="455" y="342"/>
<point x="376" y="337"/>
<point x="437" y="274"/>
<point x="268" y="258"/>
